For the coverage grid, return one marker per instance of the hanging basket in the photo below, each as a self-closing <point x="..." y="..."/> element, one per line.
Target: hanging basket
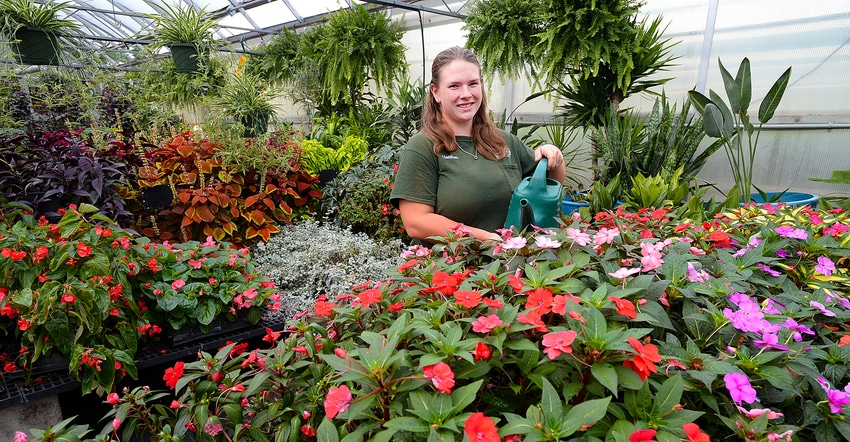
<point x="255" y="124"/>
<point x="35" y="46"/>
<point x="186" y="57"/>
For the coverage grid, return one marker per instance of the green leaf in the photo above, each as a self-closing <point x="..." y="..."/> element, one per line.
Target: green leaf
<point x="410" y="424"/>
<point x="327" y="431"/>
<point x="522" y="344"/>
<point x="465" y="395"/>
<point x="713" y="121"/>
<point x="550" y="403"/>
<point x="586" y="413"/>
<point x="206" y="311"/>
<point x="606" y="375"/>
<point x="778" y="377"/>
<point x="669" y="394"/>
<point x="774" y="96"/>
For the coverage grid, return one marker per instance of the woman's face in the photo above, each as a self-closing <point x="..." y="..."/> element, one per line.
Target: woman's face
<point x="459" y="95"/>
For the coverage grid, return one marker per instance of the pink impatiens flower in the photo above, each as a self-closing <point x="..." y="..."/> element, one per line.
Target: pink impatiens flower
<point x="605" y="236"/>
<point x="178" y="284"/>
<point x="577" y="236"/>
<point x="337" y="401"/>
<point x="558" y="342"/>
<point x="486" y="323"/>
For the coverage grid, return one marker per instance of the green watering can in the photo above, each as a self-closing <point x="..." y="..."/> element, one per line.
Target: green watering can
<point x="536" y="200"/>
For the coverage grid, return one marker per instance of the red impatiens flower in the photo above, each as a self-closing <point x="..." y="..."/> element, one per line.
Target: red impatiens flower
<point x="468" y="298"/>
<point x="370" y="296"/>
<point x="845" y="340"/>
<point x="643" y="363"/>
<point x="172" y="375"/>
<point x="479" y="427"/>
<point x="441" y="375"/>
<point x="324" y="308"/>
<point x="337" y="400"/>
<point x="68" y="298"/>
<point x="308" y="430"/>
<point x="624" y="307"/>
<point x="515" y="281"/>
<point x="540" y="300"/>
<point x="558" y="342"/>
<point x="271" y="336"/>
<point x="482" y="351"/>
<point x="445" y="283"/>
<point x="694" y="434"/>
<point x="642" y="436"/>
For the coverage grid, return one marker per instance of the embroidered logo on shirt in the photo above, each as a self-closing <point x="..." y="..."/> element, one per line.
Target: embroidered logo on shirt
<point x="450" y="157"/>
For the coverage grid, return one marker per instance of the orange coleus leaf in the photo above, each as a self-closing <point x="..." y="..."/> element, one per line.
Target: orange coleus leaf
<point x="148" y="173"/>
<point x="185" y="149"/>
<point x="188" y="177"/>
<point x="257" y="217"/>
<point x="251" y="200"/>
<point x="229" y="228"/>
<point x="269" y="203"/>
<point x="265" y="234"/>
<point x="285" y="208"/>
<point x="205" y="214"/>
<point x="184" y="197"/>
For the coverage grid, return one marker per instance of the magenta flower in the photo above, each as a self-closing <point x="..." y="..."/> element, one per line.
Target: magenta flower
<point x="837" y="398"/>
<point x="178" y="284"/>
<point x="740" y="388"/>
<point x="825" y="265"/>
<point x="20" y="436"/>
<point x="821" y="307"/>
<point x="791" y="232"/>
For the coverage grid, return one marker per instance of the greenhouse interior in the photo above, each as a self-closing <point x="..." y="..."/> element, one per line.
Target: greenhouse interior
<point x="261" y="220"/>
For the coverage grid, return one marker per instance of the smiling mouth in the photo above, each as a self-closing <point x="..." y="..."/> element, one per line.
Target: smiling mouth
<point x="465" y="105"/>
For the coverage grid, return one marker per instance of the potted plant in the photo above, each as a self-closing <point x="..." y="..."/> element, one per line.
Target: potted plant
<point x="248" y="99"/>
<point x="34" y="29"/>
<point x="186" y="32"/>
<point x="731" y="122"/>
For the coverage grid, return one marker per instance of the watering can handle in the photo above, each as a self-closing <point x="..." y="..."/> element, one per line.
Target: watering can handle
<point x="537" y="184"/>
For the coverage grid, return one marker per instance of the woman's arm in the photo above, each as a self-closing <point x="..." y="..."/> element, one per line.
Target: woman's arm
<point x="420" y="222"/>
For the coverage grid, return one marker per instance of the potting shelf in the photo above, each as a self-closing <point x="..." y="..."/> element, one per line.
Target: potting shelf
<point x="14" y="390"/>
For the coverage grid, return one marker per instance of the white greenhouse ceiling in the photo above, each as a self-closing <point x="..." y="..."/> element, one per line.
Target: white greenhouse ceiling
<point x="116" y="26"/>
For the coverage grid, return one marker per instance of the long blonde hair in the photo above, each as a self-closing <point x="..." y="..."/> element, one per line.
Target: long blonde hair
<point x="485" y="135"/>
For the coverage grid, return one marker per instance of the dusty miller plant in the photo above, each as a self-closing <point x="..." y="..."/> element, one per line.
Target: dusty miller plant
<point x="311" y="258"/>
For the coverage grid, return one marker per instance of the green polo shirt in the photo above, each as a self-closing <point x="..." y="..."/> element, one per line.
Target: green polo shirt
<point x="475" y="192"/>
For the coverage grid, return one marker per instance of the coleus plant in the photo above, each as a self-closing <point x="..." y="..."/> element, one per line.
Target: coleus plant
<point x="221" y="200"/>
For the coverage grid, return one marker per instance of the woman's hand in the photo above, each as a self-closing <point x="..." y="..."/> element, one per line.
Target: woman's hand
<point x="556" y="166"/>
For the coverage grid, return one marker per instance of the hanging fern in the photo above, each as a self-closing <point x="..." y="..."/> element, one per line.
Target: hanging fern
<point x="501" y="32"/>
<point x="554" y="37"/>
<point x="356" y="45"/>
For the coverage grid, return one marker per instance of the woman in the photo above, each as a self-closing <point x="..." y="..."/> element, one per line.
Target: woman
<point x="461" y="168"/>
